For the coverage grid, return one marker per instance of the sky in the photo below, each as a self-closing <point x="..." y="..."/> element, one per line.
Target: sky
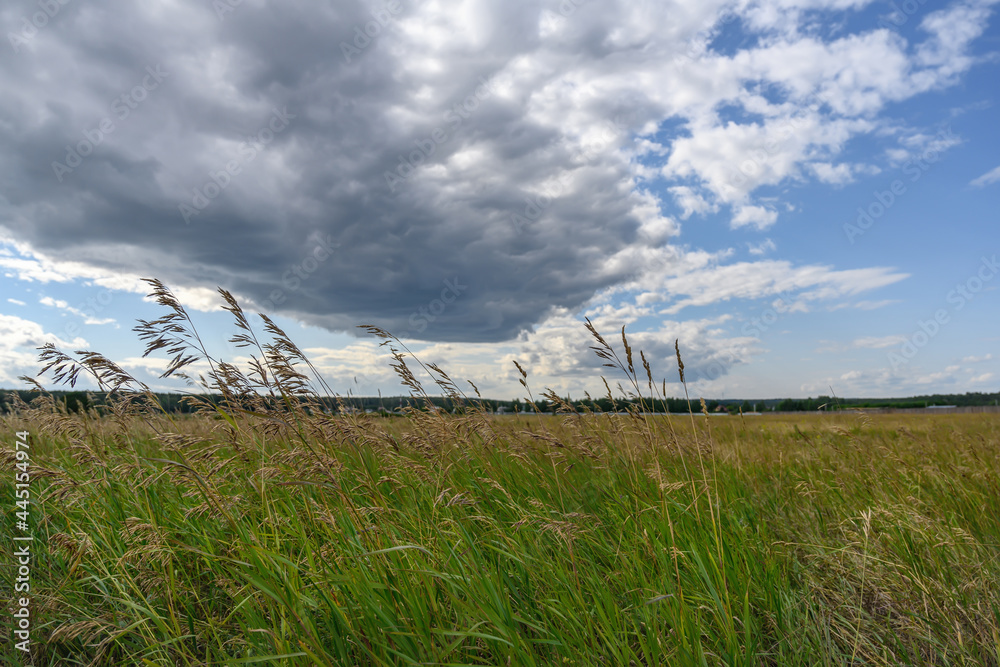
<point x="804" y="194"/>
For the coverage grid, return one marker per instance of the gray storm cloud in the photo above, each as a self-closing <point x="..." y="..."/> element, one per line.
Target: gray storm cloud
<point x="343" y="163"/>
<point x="212" y="146"/>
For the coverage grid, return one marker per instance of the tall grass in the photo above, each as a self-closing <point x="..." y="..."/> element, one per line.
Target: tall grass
<point x="265" y="531"/>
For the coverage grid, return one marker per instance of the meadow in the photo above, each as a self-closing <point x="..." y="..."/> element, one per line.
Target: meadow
<point x="263" y="530"/>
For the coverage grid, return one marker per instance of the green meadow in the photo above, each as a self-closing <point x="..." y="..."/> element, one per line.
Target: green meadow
<point x="263" y="530"/>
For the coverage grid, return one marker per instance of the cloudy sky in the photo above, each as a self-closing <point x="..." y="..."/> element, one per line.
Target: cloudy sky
<point x="805" y="193"/>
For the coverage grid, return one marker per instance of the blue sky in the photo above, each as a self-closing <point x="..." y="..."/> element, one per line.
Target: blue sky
<point x="804" y="193"/>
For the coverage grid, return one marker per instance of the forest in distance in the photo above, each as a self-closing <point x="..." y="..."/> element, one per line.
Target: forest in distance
<point x="75" y="401"/>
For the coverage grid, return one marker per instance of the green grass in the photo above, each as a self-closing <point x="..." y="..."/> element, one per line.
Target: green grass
<point x="829" y="543"/>
<point x="262" y="531"/>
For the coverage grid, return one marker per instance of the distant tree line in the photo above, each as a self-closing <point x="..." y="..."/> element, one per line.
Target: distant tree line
<point x="76" y="401"/>
<point x="81" y="401"/>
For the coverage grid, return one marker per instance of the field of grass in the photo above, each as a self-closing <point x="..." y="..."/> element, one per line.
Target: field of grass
<point x="266" y="532"/>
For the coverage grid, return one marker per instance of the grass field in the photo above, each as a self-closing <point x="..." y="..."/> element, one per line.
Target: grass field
<point x="270" y="533"/>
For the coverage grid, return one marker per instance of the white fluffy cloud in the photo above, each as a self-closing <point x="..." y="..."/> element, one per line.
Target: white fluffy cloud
<point x="834" y="89"/>
<point x="754" y="216"/>
<point x="19" y="339"/>
<point x="32" y="266"/>
<point x="879" y="342"/>
<point x="990" y="177"/>
<point x="762" y="248"/>
<point x="711" y="283"/>
<point x="63" y="305"/>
